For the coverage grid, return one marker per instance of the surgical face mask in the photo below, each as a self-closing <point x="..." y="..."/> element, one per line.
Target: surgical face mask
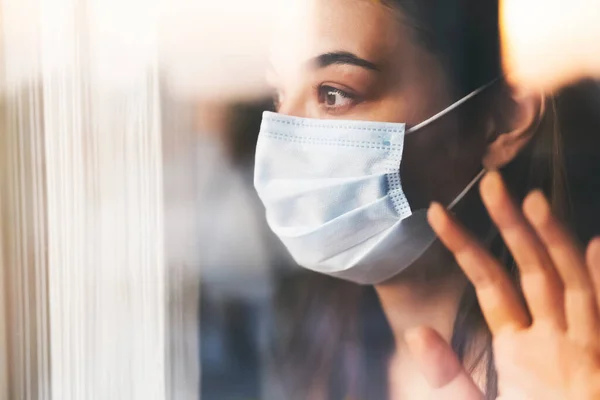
<point x="333" y="194"/>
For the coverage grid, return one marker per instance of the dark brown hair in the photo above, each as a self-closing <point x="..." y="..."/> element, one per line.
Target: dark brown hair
<point x="332" y="340"/>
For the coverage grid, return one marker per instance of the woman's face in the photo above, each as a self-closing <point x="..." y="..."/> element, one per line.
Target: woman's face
<point x="357" y="60"/>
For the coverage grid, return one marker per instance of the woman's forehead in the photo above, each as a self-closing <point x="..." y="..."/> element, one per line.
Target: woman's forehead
<point x="309" y="28"/>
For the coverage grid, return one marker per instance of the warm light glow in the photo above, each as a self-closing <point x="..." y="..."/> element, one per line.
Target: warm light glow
<point x="208" y="49"/>
<point x="216" y="48"/>
<point x="547" y="43"/>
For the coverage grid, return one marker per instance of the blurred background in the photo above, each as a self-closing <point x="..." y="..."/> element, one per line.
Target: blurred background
<point x="135" y="259"/>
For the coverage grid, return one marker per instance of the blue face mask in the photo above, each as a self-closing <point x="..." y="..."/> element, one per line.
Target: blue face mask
<point x="333" y="194"/>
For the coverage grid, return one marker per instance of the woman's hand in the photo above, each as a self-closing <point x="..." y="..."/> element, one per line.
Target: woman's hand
<point x="546" y="349"/>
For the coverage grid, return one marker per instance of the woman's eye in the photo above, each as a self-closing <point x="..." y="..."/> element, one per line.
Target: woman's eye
<point x="334" y="98"/>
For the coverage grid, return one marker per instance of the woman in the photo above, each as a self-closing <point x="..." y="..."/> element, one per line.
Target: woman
<point x="348" y="199"/>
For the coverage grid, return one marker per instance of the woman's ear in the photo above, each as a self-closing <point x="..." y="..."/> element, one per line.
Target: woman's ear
<point x="513" y="124"/>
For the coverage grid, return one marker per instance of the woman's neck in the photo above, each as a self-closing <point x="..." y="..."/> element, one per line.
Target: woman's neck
<point x="423" y="299"/>
<point x="427" y="295"/>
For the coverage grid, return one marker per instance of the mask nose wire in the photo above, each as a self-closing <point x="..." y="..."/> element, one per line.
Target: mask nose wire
<point x="452" y="107"/>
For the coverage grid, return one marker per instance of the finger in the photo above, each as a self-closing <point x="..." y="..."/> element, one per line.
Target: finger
<point x="440" y="366"/>
<point x="569" y="260"/>
<point x="540" y="282"/>
<point x="498" y="298"/>
<point x="593" y="264"/>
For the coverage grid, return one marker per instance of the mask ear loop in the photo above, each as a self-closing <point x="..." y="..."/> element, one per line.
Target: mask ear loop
<point x="453" y="106"/>
<point x="467" y="189"/>
<point x="493" y="232"/>
<point x="480" y="175"/>
<point x="446" y="111"/>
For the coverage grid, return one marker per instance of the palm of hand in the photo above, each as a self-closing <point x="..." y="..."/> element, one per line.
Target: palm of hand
<point x="544" y="363"/>
<point x="548" y="348"/>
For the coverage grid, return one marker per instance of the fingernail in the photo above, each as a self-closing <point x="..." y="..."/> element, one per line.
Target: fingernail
<point x="491" y="186"/>
<point x="593" y="256"/>
<point x="435" y="214"/>
<point x="435" y="207"/>
<point x="416" y="339"/>
<point x="536" y="207"/>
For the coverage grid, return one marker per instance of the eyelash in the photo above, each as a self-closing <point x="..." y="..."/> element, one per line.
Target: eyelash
<point x="324" y="90"/>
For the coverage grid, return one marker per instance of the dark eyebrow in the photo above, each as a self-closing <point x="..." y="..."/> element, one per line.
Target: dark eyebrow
<point x="342" y="57"/>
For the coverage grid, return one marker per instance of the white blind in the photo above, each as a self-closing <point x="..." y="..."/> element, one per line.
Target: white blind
<point x="82" y="269"/>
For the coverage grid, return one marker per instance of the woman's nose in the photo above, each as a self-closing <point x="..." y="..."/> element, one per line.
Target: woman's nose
<point x="295" y="104"/>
